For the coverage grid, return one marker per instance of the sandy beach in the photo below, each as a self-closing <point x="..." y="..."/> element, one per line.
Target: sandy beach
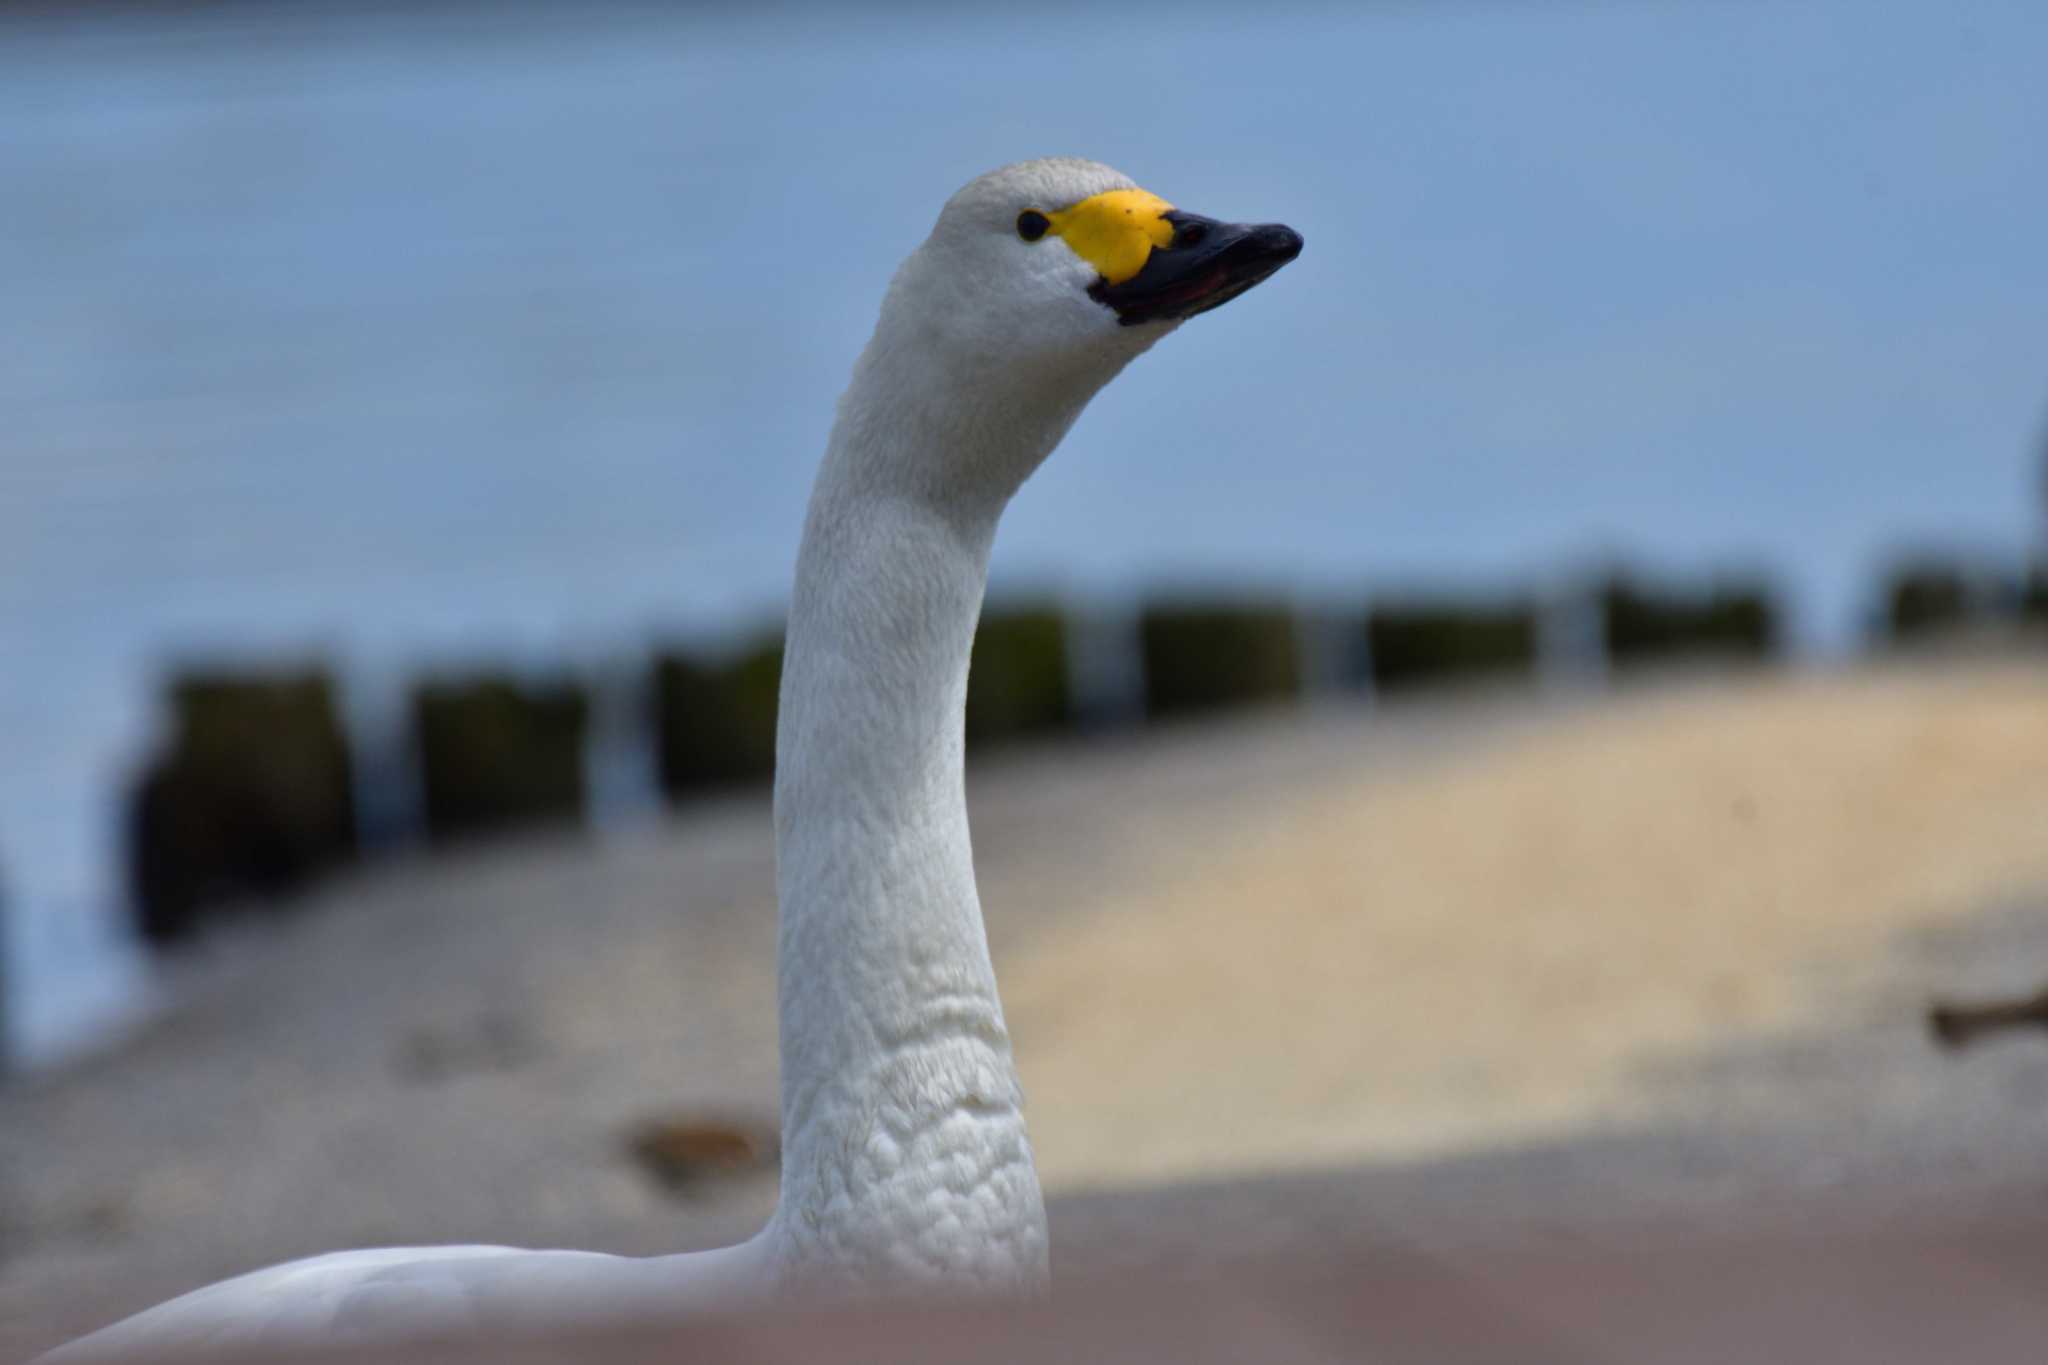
<point x="1470" y="977"/>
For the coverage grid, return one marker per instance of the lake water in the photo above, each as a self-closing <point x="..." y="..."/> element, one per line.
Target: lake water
<point x="414" y="338"/>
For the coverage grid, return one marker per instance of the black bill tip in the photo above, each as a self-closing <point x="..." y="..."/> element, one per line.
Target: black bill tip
<point x="1205" y="266"/>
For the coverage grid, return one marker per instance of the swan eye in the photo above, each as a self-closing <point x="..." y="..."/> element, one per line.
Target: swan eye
<point x="1031" y="225"/>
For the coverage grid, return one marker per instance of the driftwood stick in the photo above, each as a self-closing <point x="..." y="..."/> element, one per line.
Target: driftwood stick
<point x="1957" y="1026"/>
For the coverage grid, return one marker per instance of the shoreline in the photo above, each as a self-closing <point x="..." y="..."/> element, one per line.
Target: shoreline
<point x="1223" y="1015"/>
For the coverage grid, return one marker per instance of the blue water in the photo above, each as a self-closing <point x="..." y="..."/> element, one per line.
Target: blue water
<point x="418" y="338"/>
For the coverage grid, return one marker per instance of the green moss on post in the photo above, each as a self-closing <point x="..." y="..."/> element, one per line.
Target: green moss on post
<point x="1210" y="657"/>
<point x="252" y="799"/>
<point x="1419" y="644"/>
<point x="1644" y="625"/>
<point x="1927" y="597"/>
<point x="714" y="723"/>
<point x="498" y="755"/>
<point x="1017" y="684"/>
<point x="2034" y="594"/>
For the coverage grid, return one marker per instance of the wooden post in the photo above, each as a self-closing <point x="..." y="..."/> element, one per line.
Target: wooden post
<point x="1957" y="1026"/>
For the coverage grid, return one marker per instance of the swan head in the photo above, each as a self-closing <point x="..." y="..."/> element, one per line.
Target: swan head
<point x="1041" y="281"/>
<point x="1063" y="254"/>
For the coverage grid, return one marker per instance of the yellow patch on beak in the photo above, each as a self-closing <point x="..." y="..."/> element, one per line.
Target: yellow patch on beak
<point x="1115" y="232"/>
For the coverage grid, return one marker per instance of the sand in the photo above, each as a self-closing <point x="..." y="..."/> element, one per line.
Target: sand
<point x="1441" y="975"/>
<point x="1523" y="943"/>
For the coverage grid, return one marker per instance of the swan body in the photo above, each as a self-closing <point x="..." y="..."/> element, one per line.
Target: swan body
<point x="906" y="1164"/>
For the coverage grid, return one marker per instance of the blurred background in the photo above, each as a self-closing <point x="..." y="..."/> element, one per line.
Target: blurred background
<point x="1550" y="686"/>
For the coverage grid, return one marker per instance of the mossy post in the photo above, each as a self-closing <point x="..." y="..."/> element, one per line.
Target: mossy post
<point x="1928" y="597"/>
<point x="496" y="754"/>
<point x="714" y="721"/>
<point x="1433" y="642"/>
<point x="2034" y="594"/>
<point x="1735" y="621"/>
<point x="251" y="799"/>
<point x="1019" y="681"/>
<point x="1212" y="656"/>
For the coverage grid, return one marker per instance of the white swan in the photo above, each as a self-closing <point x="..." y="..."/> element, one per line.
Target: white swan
<point x="905" y="1162"/>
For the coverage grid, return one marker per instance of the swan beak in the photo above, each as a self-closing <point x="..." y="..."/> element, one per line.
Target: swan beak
<point x="1206" y="265"/>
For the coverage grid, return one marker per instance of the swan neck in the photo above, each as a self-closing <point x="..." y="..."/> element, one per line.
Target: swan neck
<point x="904" y="1152"/>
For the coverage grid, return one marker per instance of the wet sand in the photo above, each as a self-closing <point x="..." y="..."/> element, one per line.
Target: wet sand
<point x="1488" y="982"/>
